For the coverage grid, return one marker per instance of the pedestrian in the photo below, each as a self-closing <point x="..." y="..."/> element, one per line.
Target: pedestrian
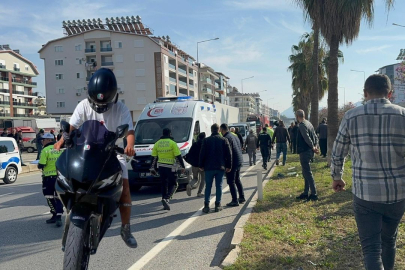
<point x="375" y="136"/>
<point x="102" y="105"/>
<point x="193" y="158"/>
<point x="282" y="136"/>
<point x="233" y="177"/>
<point x="232" y="130"/>
<point x="264" y="142"/>
<point x="290" y="129"/>
<point x="293" y="138"/>
<point x="270" y="131"/>
<point x="18" y="138"/>
<point x="215" y="160"/>
<point x="39" y="142"/>
<point x="239" y="136"/>
<point x="59" y="135"/>
<point x="166" y="154"/>
<point x="307" y="142"/>
<point x="322" y="132"/>
<point x="250" y="146"/>
<point x="47" y="163"/>
<point x="5" y="133"/>
<point x="53" y="133"/>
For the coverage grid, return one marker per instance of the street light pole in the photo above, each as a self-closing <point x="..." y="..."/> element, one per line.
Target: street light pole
<point x="364" y="73"/>
<point x="202" y="42"/>
<point x="241" y="82"/>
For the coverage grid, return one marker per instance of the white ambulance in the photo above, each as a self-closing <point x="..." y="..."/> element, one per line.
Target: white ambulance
<point x="186" y="118"/>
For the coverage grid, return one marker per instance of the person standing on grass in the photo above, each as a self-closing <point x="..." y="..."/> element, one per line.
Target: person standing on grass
<point x="193" y="158"/>
<point x="281" y="134"/>
<point x="290" y="129"/>
<point x="375" y="135"/>
<point x="215" y="160"/>
<point x="233" y="177"/>
<point x="322" y="132"/>
<point x="294" y="133"/>
<point x="250" y="146"/>
<point x="307" y="142"/>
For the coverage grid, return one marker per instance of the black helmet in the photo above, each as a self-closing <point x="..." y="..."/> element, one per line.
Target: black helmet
<point x="102" y="90"/>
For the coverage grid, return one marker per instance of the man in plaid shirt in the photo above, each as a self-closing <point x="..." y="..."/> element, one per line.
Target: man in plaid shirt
<point x="375" y="135"/>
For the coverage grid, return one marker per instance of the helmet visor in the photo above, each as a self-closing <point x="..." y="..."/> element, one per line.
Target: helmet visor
<point x="100" y="107"/>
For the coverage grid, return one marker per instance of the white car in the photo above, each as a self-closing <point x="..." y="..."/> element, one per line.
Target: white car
<point x="10" y="160"/>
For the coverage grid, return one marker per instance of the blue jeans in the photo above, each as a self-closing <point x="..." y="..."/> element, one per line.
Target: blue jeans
<point x="209" y="179"/>
<point x="377" y="224"/>
<point x="281" y="147"/>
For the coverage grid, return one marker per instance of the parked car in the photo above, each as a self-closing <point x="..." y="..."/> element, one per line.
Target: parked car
<point x="30" y="146"/>
<point x="10" y="160"/>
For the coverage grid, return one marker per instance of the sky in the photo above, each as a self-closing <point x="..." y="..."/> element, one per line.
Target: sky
<point x="255" y="37"/>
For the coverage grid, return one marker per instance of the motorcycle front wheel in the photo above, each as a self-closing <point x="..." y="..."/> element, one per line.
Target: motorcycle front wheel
<point x="77" y="251"/>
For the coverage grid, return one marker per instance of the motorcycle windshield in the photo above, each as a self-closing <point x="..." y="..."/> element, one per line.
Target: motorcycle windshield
<point x="88" y="159"/>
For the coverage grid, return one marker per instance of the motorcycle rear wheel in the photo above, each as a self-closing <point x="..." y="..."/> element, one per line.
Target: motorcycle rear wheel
<point x="77" y="251"/>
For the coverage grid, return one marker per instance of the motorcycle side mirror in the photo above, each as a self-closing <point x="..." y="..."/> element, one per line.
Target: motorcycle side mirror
<point x="65" y="126"/>
<point x="122" y="131"/>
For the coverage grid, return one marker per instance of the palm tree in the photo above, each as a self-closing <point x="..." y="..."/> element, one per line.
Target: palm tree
<point x="312" y="12"/>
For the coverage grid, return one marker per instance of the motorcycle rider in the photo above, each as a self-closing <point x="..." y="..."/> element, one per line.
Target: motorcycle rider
<point x="264" y="141"/>
<point x="102" y="104"/>
<point x="47" y="162"/>
<point x="166" y="154"/>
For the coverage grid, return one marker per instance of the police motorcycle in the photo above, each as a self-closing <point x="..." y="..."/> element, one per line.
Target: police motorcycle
<point x="89" y="185"/>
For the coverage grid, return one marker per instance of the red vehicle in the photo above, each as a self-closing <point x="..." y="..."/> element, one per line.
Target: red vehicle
<point x="28" y="133"/>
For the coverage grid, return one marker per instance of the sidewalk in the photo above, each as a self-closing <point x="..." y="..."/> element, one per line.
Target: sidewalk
<point x="283" y="233"/>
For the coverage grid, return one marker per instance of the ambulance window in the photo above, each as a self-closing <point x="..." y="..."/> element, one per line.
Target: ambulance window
<point x="197" y="128"/>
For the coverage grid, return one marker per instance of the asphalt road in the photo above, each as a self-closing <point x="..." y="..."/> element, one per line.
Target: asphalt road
<point x="182" y="238"/>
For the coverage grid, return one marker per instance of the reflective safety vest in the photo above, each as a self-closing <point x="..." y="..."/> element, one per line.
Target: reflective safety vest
<point x="166" y="150"/>
<point x="48" y="158"/>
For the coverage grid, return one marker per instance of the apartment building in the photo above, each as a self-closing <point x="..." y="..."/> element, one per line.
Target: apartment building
<point x="146" y="67"/>
<point x="17" y="96"/>
<point x="398" y="86"/>
<point x="222" y="90"/>
<point x="245" y="102"/>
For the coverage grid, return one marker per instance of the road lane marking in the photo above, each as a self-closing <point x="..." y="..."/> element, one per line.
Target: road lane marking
<point x="168" y="239"/>
<point x="6" y="194"/>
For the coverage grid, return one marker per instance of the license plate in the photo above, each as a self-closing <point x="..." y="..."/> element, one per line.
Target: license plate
<point x="143" y="175"/>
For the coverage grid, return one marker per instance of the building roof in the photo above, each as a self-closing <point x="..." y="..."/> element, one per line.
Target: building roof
<point x="34" y="68"/>
<point x="222" y="74"/>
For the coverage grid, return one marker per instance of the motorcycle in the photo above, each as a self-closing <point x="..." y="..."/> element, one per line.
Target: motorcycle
<point x="89" y="185"/>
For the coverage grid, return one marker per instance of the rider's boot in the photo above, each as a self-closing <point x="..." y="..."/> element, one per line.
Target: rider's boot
<point x="128" y="238"/>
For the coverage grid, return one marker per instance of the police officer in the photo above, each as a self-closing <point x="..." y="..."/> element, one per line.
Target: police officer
<point x="264" y="141"/>
<point x="47" y="162"/>
<point x="166" y="157"/>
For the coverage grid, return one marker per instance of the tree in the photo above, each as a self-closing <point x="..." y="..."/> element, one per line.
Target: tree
<point x="339" y="22"/>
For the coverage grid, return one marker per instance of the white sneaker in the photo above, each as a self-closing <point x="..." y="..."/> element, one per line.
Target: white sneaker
<point x="188" y="189"/>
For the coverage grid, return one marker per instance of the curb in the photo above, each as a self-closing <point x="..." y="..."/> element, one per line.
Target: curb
<point x="29" y="169"/>
<point x="237" y="238"/>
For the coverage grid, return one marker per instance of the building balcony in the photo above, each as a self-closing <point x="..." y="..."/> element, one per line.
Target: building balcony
<point x="181" y="83"/>
<point x="3" y="66"/>
<point x="191" y="75"/>
<point x="17" y="69"/>
<point x="104" y="64"/>
<point x="107" y="49"/>
<point x="173" y="80"/>
<point x="182" y="72"/>
<point x="191" y="86"/>
<point x="4" y="79"/>
<point x="24" y="104"/>
<point x="207" y="80"/>
<point x="19" y="92"/>
<point x="90" y="50"/>
<point x="24" y="82"/>
<point x="172" y="66"/>
<point x="206" y="91"/>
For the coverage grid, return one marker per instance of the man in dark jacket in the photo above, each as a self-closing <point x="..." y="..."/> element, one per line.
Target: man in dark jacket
<point x="215" y="160"/>
<point x="307" y="142"/>
<point x="18" y="138"/>
<point x="293" y="137"/>
<point x="282" y="136"/>
<point x="290" y="129"/>
<point x="239" y="136"/>
<point x="39" y="142"/>
<point x="193" y="158"/>
<point x="264" y="142"/>
<point x="322" y="132"/>
<point x="233" y="177"/>
<point x="5" y="133"/>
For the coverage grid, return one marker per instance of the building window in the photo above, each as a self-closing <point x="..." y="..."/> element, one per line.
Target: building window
<point x="58" y="48"/>
<point x="60" y="104"/>
<point x="59" y="76"/>
<point x="26" y="67"/>
<point x="78" y="61"/>
<point x="119" y="45"/>
<point x="78" y="47"/>
<point x="78" y="75"/>
<point x="58" y="62"/>
<point x="61" y="91"/>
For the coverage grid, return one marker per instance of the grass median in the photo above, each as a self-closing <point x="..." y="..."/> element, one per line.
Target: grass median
<point x="283" y="233"/>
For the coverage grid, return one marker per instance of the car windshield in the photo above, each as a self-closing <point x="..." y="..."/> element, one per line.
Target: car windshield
<point x="241" y="129"/>
<point x="149" y="131"/>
